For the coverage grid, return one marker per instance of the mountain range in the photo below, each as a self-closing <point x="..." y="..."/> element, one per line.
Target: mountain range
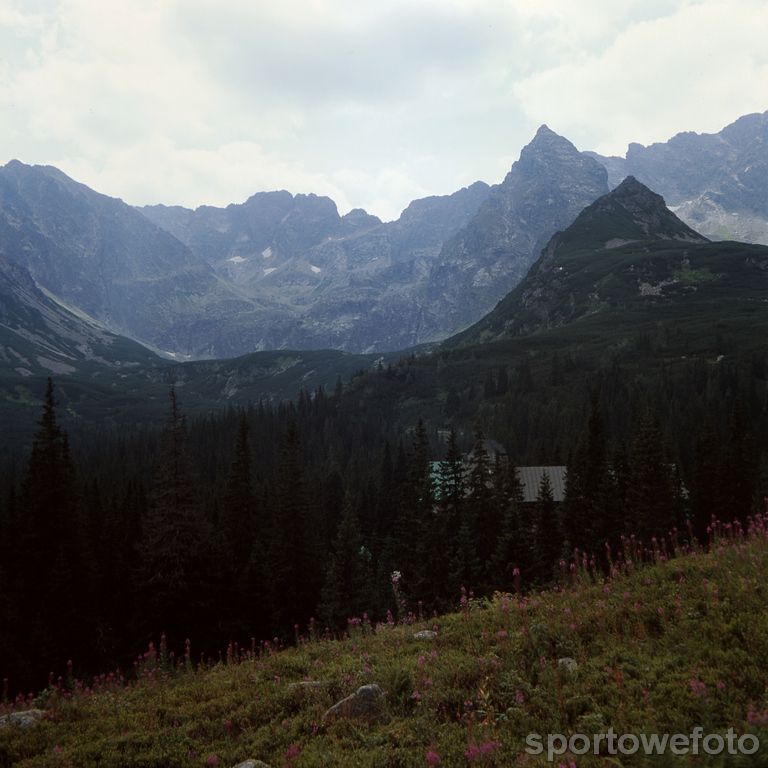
<point x="717" y="183"/>
<point x="92" y="290"/>
<point x="287" y="271"/>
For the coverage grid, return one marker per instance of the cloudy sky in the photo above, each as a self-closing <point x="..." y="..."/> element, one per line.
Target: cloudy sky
<point x="373" y="102"/>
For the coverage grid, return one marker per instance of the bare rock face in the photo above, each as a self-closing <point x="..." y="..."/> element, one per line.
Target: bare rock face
<point x="252" y="764"/>
<point x="716" y="182"/>
<point x="23" y="719"/>
<point x="321" y="280"/>
<point x="543" y="192"/>
<point x="367" y="703"/>
<point x="425" y="634"/>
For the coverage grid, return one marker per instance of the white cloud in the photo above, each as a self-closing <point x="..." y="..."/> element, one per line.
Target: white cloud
<point x="208" y="101"/>
<point x="697" y="69"/>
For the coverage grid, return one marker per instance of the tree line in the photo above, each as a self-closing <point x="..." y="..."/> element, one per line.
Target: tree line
<point x="248" y="523"/>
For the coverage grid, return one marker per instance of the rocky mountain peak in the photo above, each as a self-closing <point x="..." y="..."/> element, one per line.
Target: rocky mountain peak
<point x="716" y="182"/>
<point x="548" y="147"/>
<point x="635" y="196"/>
<point x="358" y="220"/>
<point x="632" y="211"/>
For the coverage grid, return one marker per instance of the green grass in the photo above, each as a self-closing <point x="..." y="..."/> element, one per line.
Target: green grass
<point x="663" y="648"/>
<point x="693" y="276"/>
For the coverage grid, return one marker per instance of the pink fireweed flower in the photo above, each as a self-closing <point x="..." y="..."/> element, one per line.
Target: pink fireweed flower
<point x="698" y="687"/>
<point x="432" y="757"/>
<point x="475" y="751"/>
<point x="757" y="718"/>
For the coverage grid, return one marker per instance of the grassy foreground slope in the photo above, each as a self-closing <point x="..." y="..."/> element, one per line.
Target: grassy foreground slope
<point x="663" y="648"/>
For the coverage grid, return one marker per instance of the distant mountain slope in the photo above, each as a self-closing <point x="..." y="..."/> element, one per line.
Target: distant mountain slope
<point x="543" y="192"/>
<point x="717" y="183"/>
<point x="285" y="271"/>
<point x="350" y="282"/>
<point x="625" y="254"/>
<point x="101" y="256"/>
<point x="355" y="283"/>
<point x="40" y="337"/>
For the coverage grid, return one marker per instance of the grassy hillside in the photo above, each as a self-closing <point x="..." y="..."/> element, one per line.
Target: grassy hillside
<point x="679" y="643"/>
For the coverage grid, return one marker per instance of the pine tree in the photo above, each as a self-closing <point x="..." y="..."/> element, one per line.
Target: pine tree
<point x="48" y="493"/>
<point x="592" y="512"/>
<point x="451" y="483"/>
<point x="175" y="556"/>
<point x="706" y="497"/>
<point x="512" y="541"/>
<point x="239" y="509"/>
<point x="416" y="516"/>
<point x="51" y="533"/>
<point x="740" y="467"/>
<point x="466" y="569"/>
<point x="650" y="493"/>
<point x="547" y="538"/>
<point x="387" y="498"/>
<point x="348" y="588"/>
<point x="291" y="576"/>
<point x="483" y="513"/>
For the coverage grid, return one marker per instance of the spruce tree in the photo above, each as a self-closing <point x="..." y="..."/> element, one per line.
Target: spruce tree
<point x="51" y="534"/>
<point x="512" y="542"/>
<point x="592" y="513"/>
<point x="175" y="555"/>
<point x="483" y="513"/>
<point x="650" y="493"/>
<point x="292" y="578"/>
<point x="739" y="467"/>
<point x="452" y="484"/>
<point x="707" y="486"/>
<point x="547" y="538"/>
<point x="239" y="507"/>
<point x="347" y="591"/>
<point x="416" y="518"/>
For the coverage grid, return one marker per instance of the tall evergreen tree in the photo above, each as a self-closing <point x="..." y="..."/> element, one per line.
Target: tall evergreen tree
<point x="239" y="507"/>
<point x="348" y="588"/>
<point x="513" y="540"/>
<point x="175" y="557"/>
<point x="292" y="576"/>
<point x="592" y="513"/>
<point x="483" y="509"/>
<point x="451" y="483"/>
<point x="651" y="507"/>
<point x="739" y="467"/>
<point x="707" y="483"/>
<point x="547" y="538"/>
<point x="51" y="534"/>
<point x="416" y="516"/>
